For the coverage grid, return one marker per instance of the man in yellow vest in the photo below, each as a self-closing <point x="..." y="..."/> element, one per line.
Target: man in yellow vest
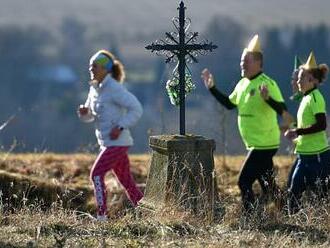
<point x="258" y="100"/>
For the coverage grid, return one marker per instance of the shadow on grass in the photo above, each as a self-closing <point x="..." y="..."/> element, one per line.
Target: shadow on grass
<point x="18" y="190"/>
<point x="313" y="234"/>
<point x="9" y="245"/>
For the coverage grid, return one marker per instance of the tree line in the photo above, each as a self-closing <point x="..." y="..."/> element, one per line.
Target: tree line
<point x="44" y="109"/>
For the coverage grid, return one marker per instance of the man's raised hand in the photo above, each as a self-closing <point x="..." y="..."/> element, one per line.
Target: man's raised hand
<point x="207" y="78"/>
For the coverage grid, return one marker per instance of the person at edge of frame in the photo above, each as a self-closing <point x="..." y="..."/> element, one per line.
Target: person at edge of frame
<point x="311" y="169"/>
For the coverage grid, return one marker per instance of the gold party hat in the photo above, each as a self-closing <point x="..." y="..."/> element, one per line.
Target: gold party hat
<point x="311" y="62"/>
<point x="254" y="45"/>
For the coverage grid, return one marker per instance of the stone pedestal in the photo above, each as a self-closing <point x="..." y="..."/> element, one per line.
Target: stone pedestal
<point x="182" y="174"/>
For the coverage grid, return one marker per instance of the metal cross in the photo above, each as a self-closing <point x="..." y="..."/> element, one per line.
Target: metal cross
<point x="186" y="46"/>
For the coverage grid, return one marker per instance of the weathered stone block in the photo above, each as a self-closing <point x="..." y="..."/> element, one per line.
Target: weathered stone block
<point x="182" y="174"/>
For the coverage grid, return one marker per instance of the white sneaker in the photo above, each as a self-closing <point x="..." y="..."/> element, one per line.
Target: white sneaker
<point x="101" y="218"/>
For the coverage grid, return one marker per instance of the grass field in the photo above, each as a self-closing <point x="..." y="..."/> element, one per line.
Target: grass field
<point x="61" y="216"/>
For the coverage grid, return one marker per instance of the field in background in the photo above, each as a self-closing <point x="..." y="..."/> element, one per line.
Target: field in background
<point x="72" y="171"/>
<point x="60" y="177"/>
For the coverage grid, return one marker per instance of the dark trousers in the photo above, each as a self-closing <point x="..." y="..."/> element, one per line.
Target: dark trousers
<point x="258" y="165"/>
<point x="308" y="172"/>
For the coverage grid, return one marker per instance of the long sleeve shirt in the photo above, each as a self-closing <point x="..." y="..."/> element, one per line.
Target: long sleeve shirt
<point x="110" y="104"/>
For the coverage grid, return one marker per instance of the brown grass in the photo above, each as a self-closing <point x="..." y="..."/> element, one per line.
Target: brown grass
<point x="65" y="223"/>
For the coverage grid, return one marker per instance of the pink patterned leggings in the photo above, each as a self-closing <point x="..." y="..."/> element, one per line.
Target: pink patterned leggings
<point x="115" y="159"/>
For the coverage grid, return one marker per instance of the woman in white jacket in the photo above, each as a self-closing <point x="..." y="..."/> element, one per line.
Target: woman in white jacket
<point x="114" y="110"/>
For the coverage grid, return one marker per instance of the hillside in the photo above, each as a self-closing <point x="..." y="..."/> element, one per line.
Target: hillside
<point x="50" y="174"/>
<point x="30" y="224"/>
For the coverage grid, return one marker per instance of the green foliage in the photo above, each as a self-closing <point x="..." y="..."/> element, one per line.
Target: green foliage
<point x="173" y="88"/>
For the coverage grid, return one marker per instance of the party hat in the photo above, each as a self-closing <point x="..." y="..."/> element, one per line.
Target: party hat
<point x="311" y="62"/>
<point x="254" y="45"/>
<point x="297" y="62"/>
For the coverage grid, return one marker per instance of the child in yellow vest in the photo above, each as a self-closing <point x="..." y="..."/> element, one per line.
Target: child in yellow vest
<point x="311" y="167"/>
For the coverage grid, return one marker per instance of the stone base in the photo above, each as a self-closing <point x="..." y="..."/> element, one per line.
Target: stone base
<point x="182" y="174"/>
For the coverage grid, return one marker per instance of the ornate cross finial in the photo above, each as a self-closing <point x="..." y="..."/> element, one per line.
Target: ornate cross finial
<point x="181" y="45"/>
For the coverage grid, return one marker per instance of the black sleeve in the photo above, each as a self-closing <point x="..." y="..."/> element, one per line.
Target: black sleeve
<point x="279" y="107"/>
<point x="222" y="98"/>
<point x="320" y="125"/>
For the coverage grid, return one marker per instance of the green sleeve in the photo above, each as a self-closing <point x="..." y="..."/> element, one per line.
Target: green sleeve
<point x="274" y="91"/>
<point x="317" y="104"/>
<point x="233" y="96"/>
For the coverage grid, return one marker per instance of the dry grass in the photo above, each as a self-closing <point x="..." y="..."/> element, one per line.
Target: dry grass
<point x="27" y="223"/>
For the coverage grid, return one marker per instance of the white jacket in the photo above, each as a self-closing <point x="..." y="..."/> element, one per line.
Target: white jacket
<point x="110" y="104"/>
